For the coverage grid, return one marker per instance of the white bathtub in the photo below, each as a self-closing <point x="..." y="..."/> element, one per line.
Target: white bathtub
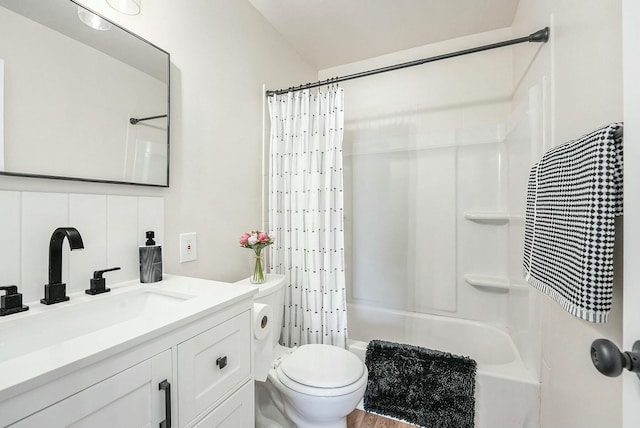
<point x="507" y="394"/>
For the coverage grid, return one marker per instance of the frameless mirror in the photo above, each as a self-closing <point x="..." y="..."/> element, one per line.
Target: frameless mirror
<point x="83" y="98"/>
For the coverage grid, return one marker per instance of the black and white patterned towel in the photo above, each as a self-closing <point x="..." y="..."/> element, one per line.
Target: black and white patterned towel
<point x="574" y="193"/>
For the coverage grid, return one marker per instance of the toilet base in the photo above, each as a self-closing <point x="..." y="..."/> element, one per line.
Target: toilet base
<point x="337" y="423"/>
<point x="301" y="423"/>
<point x="267" y="414"/>
<point x="271" y="411"/>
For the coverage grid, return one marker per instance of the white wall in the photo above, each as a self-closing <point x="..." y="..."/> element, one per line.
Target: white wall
<point x="112" y="227"/>
<point x="221" y="53"/>
<point x="422" y="146"/>
<point x="582" y="62"/>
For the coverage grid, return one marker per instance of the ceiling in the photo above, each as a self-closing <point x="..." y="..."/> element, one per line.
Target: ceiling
<point x="328" y="33"/>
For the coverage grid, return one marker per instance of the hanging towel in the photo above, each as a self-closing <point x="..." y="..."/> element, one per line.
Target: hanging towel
<point x="574" y="193"/>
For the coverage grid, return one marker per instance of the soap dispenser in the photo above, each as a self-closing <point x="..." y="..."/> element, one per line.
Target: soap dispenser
<point x="150" y="260"/>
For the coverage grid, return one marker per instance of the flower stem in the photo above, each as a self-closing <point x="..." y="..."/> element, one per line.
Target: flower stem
<point x="258" y="273"/>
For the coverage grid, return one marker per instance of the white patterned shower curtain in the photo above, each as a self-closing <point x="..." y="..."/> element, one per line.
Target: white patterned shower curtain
<point x="306" y="214"/>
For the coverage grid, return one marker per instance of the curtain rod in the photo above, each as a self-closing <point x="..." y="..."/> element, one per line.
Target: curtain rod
<point x="134" y="121"/>
<point x="540" y="36"/>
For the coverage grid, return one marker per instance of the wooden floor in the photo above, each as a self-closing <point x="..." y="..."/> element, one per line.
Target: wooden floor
<point x="360" y="419"/>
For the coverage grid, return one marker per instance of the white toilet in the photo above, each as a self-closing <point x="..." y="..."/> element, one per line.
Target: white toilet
<point x="310" y="386"/>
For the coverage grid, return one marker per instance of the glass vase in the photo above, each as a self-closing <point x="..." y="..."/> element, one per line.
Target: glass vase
<point x="257" y="269"/>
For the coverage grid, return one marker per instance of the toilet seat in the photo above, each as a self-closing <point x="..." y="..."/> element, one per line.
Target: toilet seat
<point x="321" y="370"/>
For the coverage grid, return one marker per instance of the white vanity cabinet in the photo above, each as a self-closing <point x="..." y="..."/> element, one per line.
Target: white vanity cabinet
<point x="204" y="356"/>
<point x="129" y="399"/>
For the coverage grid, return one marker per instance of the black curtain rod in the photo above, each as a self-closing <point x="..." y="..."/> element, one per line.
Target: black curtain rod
<point x="540" y="36"/>
<point x="134" y="121"/>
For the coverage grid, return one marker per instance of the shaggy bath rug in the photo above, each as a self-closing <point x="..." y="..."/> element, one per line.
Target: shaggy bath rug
<point x="429" y="388"/>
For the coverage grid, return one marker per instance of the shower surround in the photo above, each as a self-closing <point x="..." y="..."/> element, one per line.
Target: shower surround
<point x="436" y="162"/>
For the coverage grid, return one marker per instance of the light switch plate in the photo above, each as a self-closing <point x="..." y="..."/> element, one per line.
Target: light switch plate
<point x="188" y="247"/>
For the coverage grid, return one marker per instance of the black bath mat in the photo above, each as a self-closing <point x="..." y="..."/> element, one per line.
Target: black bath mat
<point x="424" y="387"/>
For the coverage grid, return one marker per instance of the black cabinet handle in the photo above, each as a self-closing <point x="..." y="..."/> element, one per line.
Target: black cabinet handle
<point x="166" y="387"/>
<point x="221" y="362"/>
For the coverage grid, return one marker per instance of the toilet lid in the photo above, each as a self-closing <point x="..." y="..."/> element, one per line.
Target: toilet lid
<point x="322" y="366"/>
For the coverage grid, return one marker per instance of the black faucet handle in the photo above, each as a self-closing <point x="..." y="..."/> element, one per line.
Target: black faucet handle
<point x="11" y="302"/>
<point x="10" y="289"/>
<point x="98" y="283"/>
<point x="97" y="274"/>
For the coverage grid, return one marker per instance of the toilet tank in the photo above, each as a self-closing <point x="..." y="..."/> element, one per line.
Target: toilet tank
<point x="271" y="292"/>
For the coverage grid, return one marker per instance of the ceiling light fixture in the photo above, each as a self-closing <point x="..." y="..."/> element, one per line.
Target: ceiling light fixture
<point x="92" y="20"/>
<point x="128" y="7"/>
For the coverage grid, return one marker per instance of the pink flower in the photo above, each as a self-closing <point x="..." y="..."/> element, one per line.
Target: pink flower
<point x="244" y="238"/>
<point x="256" y="240"/>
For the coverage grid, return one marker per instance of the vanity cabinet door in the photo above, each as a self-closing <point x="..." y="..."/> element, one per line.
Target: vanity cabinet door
<point x="213" y="364"/>
<point x="129" y="399"/>
<point x="235" y="412"/>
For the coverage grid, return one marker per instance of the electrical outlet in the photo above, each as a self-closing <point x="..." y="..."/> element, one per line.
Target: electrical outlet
<point x="188" y="247"/>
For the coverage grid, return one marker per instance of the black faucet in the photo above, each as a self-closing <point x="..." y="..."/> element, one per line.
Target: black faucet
<point x="56" y="291"/>
<point x="98" y="284"/>
<point x="11" y="302"/>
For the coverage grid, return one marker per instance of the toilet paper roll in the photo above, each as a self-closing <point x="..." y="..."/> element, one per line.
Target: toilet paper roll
<point x="262" y="320"/>
<point x="263" y="331"/>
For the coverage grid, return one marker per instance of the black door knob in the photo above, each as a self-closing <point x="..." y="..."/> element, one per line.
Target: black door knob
<point x="608" y="360"/>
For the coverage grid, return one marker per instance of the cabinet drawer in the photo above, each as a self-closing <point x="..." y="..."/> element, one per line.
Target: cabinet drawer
<point x="235" y="412"/>
<point x="212" y="364"/>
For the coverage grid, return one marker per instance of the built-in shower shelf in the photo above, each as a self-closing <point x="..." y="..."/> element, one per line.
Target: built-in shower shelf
<point x="488" y="282"/>
<point x="491" y="216"/>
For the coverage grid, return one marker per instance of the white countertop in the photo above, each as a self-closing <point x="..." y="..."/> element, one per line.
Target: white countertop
<point x="25" y="371"/>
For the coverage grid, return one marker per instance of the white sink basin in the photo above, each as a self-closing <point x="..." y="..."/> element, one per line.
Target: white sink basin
<point x="45" y="326"/>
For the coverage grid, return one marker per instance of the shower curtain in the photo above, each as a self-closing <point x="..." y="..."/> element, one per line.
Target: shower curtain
<point x="306" y="214"/>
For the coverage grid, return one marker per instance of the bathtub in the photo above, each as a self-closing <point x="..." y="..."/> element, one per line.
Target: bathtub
<point x="507" y="393"/>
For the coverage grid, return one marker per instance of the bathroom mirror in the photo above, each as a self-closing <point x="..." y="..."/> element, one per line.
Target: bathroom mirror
<point x="72" y="83"/>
